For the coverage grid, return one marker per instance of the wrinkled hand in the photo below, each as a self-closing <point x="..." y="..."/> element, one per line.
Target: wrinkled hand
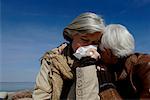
<point x="93" y="53"/>
<point x="90" y="58"/>
<point x="105" y="78"/>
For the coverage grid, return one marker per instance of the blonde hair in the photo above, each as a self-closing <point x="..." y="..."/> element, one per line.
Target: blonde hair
<point x="118" y="39"/>
<point x="85" y="23"/>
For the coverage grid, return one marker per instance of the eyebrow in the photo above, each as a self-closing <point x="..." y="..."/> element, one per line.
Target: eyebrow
<point x="84" y="36"/>
<point x="84" y="39"/>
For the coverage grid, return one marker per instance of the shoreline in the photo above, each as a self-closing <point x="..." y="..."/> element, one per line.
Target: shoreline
<point x="26" y="93"/>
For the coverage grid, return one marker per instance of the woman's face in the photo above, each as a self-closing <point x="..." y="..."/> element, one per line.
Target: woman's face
<point x="80" y="40"/>
<point x="108" y="57"/>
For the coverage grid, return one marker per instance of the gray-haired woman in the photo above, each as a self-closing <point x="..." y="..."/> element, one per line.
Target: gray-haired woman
<point x="56" y="79"/>
<point x="131" y="70"/>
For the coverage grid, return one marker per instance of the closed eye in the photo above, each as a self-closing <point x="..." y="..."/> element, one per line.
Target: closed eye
<point x="85" y="40"/>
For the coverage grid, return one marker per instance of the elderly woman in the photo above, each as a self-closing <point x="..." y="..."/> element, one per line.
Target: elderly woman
<point x="56" y="79"/>
<point x="131" y="70"/>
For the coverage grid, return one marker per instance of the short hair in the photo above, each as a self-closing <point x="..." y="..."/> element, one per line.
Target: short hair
<point x="118" y="39"/>
<point x="85" y="23"/>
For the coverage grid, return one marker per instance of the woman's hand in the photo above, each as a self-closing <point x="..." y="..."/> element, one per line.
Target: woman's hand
<point x="93" y="53"/>
<point x="91" y="57"/>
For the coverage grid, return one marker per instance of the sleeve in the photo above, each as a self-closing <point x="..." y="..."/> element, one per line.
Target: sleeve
<point x="107" y="89"/>
<point x="143" y="72"/>
<point x="43" y="86"/>
<point x="110" y="94"/>
<point x="87" y="83"/>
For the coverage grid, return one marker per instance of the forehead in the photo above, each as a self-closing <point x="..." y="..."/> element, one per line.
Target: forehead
<point x="91" y="34"/>
<point x="95" y="35"/>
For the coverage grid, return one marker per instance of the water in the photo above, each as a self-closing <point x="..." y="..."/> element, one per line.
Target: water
<point x="15" y="86"/>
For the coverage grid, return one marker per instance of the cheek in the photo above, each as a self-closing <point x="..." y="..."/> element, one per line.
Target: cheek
<point x="75" y="45"/>
<point x="105" y="57"/>
<point x="114" y="59"/>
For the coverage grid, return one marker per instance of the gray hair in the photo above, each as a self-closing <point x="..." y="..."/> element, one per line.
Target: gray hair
<point x="85" y="23"/>
<point x="118" y="39"/>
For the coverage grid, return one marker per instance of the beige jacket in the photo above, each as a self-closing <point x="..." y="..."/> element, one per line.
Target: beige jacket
<point x="54" y="73"/>
<point x="87" y="87"/>
<point x="56" y="79"/>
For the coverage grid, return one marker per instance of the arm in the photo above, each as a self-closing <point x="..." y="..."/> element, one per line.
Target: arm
<point x="107" y="89"/>
<point x="143" y="72"/>
<point x="48" y="82"/>
<point x="86" y="77"/>
<point x="43" y="87"/>
<point x="86" y="83"/>
<point x="141" y="75"/>
<point x="110" y="94"/>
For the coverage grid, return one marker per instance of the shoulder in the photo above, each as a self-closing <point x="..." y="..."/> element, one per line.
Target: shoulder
<point x="136" y="59"/>
<point x="56" y="51"/>
<point x="142" y="65"/>
<point x="143" y="58"/>
<point x="143" y="62"/>
<point x="59" y="49"/>
<point x="138" y="66"/>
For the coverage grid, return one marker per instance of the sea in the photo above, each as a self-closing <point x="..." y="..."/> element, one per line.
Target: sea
<point x="16" y="86"/>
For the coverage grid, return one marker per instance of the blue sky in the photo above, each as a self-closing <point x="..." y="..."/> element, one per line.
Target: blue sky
<point x="31" y="27"/>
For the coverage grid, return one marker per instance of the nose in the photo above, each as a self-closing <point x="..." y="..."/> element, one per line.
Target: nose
<point x="86" y="44"/>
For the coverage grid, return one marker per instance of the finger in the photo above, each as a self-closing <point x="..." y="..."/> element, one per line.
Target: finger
<point x="96" y="56"/>
<point x="89" y="53"/>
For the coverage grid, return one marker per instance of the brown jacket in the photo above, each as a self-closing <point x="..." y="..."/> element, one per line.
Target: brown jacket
<point x="132" y="81"/>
